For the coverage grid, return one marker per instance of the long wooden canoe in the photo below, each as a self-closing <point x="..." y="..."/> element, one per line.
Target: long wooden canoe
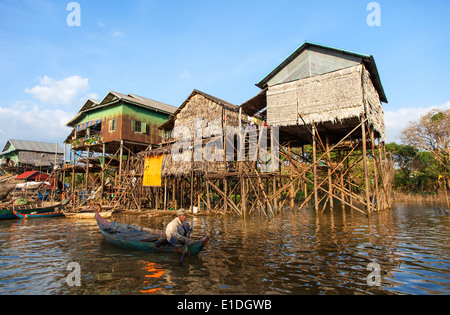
<point x="141" y="238"/>
<point x="38" y="215"/>
<point x="86" y="215"/>
<point x="41" y="207"/>
<point x="88" y="212"/>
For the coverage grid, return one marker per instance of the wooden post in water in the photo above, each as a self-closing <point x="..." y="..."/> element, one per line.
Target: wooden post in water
<point x="103" y="170"/>
<point x="366" y="170"/>
<point x="330" y="183"/>
<point x="316" y="195"/>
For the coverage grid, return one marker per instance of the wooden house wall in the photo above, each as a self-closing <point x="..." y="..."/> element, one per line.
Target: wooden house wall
<point x="124" y="114"/>
<point x="151" y="118"/>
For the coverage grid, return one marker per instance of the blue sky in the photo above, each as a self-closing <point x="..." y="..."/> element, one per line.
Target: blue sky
<point x="164" y="49"/>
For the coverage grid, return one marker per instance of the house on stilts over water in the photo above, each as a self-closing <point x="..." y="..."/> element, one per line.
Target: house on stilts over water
<point x="327" y="103"/>
<point x="105" y="137"/>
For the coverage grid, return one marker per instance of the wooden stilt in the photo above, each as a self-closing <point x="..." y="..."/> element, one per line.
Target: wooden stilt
<point x="316" y="195"/>
<point x="366" y="169"/>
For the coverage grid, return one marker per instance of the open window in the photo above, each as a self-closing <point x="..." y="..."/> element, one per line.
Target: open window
<point x="139" y="127"/>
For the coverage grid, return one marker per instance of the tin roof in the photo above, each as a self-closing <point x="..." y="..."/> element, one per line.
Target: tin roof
<point x="113" y="98"/>
<point x="35" y="146"/>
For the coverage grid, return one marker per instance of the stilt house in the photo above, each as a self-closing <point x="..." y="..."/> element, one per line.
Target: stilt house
<point x="331" y="99"/>
<point x="333" y="88"/>
<point x="106" y="133"/>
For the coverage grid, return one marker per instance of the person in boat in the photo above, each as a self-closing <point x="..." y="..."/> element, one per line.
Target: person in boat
<point x="99" y="208"/>
<point x="177" y="230"/>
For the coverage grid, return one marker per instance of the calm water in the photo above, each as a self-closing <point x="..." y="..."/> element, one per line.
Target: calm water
<point x="294" y="253"/>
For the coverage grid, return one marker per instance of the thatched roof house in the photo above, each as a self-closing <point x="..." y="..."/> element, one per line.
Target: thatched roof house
<point x="333" y="88"/>
<point x="205" y="117"/>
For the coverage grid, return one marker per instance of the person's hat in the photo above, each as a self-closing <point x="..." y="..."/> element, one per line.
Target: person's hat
<point x="181" y="212"/>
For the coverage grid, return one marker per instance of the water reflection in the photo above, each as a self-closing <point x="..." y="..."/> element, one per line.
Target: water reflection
<point x="294" y="253"/>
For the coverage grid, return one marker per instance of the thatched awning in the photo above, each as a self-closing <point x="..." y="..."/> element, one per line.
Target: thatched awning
<point x="255" y="104"/>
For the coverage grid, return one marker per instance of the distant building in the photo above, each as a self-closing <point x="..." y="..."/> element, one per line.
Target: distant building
<point x="31" y="155"/>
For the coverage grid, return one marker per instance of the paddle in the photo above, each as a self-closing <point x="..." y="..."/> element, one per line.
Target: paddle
<point x="185" y="249"/>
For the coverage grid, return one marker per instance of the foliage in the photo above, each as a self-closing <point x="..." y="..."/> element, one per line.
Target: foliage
<point x="422" y="162"/>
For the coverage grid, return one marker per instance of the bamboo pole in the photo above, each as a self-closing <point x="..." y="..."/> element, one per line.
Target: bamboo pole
<point x="366" y="170"/>
<point x="316" y="197"/>
<point x="330" y="183"/>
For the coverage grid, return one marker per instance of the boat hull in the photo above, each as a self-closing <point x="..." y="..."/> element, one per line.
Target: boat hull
<point x="8" y="213"/>
<point x="40" y="215"/>
<point x="86" y="215"/>
<point x="193" y="248"/>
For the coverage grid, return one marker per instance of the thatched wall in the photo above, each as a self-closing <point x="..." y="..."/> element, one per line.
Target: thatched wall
<point x="332" y="97"/>
<point x="208" y="117"/>
<point x="373" y="106"/>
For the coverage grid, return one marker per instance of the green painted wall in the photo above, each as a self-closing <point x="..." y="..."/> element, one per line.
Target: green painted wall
<point x="102" y="113"/>
<point x="125" y="114"/>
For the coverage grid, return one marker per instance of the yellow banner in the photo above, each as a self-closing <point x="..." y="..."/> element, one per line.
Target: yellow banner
<point x="152" y="171"/>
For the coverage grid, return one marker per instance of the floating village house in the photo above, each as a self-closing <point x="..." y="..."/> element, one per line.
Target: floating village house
<point x="331" y="99"/>
<point x="20" y="155"/>
<point x="106" y="133"/>
<point x="204" y="118"/>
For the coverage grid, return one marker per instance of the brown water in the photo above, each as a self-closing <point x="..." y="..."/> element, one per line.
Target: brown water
<point x="294" y="253"/>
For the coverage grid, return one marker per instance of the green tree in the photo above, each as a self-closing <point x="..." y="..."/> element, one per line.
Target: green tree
<point x="431" y="133"/>
<point x="403" y="156"/>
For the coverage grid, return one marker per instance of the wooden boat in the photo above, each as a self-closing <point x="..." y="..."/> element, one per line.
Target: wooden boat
<point x="141" y="238"/>
<point x="38" y="215"/>
<point x="88" y="213"/>
<point x="40" y="207"/>
<point x="5" y="189"/>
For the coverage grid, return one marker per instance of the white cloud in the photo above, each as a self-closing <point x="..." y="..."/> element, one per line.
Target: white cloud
<point x="67" y="91"/>
<point x="26" y="121"/>
<point x="185" y="75"/>
<point x="118" y="34"/>
<point x="92" y="96"/>
<point x="398" y="120"/>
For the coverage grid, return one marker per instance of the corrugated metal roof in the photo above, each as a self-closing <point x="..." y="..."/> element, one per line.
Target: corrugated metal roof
<point x="113" y="98"/>
<point x="25" y="145"/>
<point x="140" y="100"/>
